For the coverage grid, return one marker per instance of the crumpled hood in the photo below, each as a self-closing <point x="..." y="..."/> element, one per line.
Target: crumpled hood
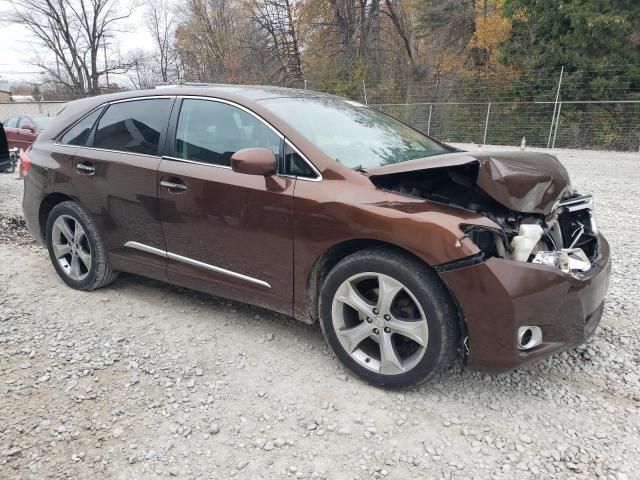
<point x="526" y="182"/>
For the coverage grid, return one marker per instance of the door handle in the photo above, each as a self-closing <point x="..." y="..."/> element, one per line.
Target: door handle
<point x="173" y="185"/>
<point x="86" y="168"/>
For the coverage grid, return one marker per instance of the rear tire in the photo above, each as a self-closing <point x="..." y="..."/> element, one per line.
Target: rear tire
<point x="76" y="248"/>
<point x="388" y="317"/>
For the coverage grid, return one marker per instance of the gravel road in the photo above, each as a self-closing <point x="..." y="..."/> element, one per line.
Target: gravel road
<point x="146" y="380"/>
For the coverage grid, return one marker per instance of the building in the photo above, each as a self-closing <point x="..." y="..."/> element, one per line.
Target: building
<point x="22" y="98"/>
<point x="5" y="93"/>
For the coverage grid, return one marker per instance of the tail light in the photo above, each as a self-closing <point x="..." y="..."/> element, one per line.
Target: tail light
<point x="25" y="163"/>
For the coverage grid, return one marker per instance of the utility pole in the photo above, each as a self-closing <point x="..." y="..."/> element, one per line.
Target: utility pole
<point x="555" y="106"/>
<point x="106" y="66"/>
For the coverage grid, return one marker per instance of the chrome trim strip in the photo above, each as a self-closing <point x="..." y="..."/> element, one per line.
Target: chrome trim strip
<point x="136" y="99"/>
<point x="304" y="157"/>
<point x="213" y="268"/>
<point x="233" y="104"/>
<point x="166" y="157"/>
<point x="119" y="151"/>
<point x="195" y="263"/>
<point x="146" y="248"/>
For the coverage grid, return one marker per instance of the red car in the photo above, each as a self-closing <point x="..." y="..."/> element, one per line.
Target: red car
<point x="22" y="130"/>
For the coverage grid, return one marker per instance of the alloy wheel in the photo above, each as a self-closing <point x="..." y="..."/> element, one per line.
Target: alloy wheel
<point x="380" y="323"/>
<point x="71" y="247"/>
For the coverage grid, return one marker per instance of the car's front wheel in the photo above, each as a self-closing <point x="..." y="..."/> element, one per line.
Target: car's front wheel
<point x="388" y="317"/>
<point x="76" y="249"/>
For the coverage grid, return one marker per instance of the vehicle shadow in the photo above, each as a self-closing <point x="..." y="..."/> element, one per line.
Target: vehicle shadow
<point x="547" y="374"/>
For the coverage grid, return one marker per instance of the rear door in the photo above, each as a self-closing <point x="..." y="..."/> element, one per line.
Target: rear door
<point x="228" y="233"/>
<point x="115" y="178"/>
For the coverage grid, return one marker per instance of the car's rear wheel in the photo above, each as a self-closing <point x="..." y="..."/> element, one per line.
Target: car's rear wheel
<point x="76" y="249"/>
<point x="388" y="317"/>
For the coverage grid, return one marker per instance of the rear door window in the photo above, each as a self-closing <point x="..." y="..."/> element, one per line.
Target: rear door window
<point x="24" y="122"/>
<point x="211" y="132"/>
<point x="79" y="133"/>
<point x="134" y="126"/>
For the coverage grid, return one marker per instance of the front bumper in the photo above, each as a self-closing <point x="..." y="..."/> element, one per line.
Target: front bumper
<point x="499" y="296"/>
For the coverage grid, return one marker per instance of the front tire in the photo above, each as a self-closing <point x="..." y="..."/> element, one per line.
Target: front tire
<point x="388" y="317"/>
<point x="76" y="248"/>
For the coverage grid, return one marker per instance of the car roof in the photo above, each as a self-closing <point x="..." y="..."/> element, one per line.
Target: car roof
<point x="249" y="92"/>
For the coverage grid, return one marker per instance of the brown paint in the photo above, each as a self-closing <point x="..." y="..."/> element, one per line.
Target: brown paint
<point x="254" y="161"/>
<point x="279" y="230"/>
<point x="498" y="296"/>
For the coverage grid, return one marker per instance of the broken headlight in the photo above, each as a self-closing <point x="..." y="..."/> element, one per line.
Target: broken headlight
<point x="490" y="241"/>
<point x="569" y="260"/>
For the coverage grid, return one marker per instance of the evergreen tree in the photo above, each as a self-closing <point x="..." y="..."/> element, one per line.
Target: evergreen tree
<point x="598" y="42"/>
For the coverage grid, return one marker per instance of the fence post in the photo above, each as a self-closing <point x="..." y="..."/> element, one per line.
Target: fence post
<point x="305" y="83"/>
<point x="364" y="89"/>
<point x="486" y="124"/>
<point x="429" y="123"/>
<point x="557" y="123"/>
<point x="555" y="106"/>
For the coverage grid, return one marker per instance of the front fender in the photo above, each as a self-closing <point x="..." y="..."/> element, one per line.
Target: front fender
<point x="428" y="230"/>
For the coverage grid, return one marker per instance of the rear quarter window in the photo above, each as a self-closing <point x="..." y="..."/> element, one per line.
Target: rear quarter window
<point x="79" y="133"/>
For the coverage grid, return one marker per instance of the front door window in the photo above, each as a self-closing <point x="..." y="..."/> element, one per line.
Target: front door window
<point x="211" y="132"/>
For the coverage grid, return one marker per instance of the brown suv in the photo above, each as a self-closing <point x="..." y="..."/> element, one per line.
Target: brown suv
<point x="404" y="249"/>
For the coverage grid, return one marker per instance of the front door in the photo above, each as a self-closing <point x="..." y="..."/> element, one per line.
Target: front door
<point x="26" y="133"/>
<point x="227" y="233"/>
<point x="115" y="178"/>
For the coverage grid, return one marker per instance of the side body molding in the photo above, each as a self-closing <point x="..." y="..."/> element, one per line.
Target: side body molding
<point x="195" y="263"/>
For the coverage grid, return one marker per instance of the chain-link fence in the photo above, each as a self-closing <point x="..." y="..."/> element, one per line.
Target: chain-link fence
<point x="578" y="107"/>
<point x="606" y="125"/>
<point x="598" y="125"/>
<point x="48" y="109"/>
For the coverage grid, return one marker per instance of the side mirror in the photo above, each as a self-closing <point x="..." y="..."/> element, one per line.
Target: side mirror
<point x="28" y="128"/>
<point x="254" y="161"/>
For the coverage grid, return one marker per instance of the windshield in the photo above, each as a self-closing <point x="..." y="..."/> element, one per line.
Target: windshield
<point x="42" y="122"/>
<point x="353" y="134"/>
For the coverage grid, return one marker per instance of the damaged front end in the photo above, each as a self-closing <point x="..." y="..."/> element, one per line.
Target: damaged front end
<point x="565" y="239"/>
<point x="539" y="283"/>
<point x="539" y="219"/>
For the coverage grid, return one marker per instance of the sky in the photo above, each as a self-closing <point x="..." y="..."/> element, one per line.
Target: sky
<point x="18" y="48"/>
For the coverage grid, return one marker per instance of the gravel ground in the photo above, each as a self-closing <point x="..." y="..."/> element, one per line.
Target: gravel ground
<point x="146" y="380"/>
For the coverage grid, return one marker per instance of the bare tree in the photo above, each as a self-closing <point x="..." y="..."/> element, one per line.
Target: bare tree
<point x="142" y="74"/>
<point x="160" y="22"/>
<point x="275" y="19"/>
<point x="354" y="21"/>
<point x="204" y="39"/>
<point x="74" y="31"/>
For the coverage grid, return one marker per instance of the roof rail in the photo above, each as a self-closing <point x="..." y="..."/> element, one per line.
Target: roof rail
<point x="189" y="84"/>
